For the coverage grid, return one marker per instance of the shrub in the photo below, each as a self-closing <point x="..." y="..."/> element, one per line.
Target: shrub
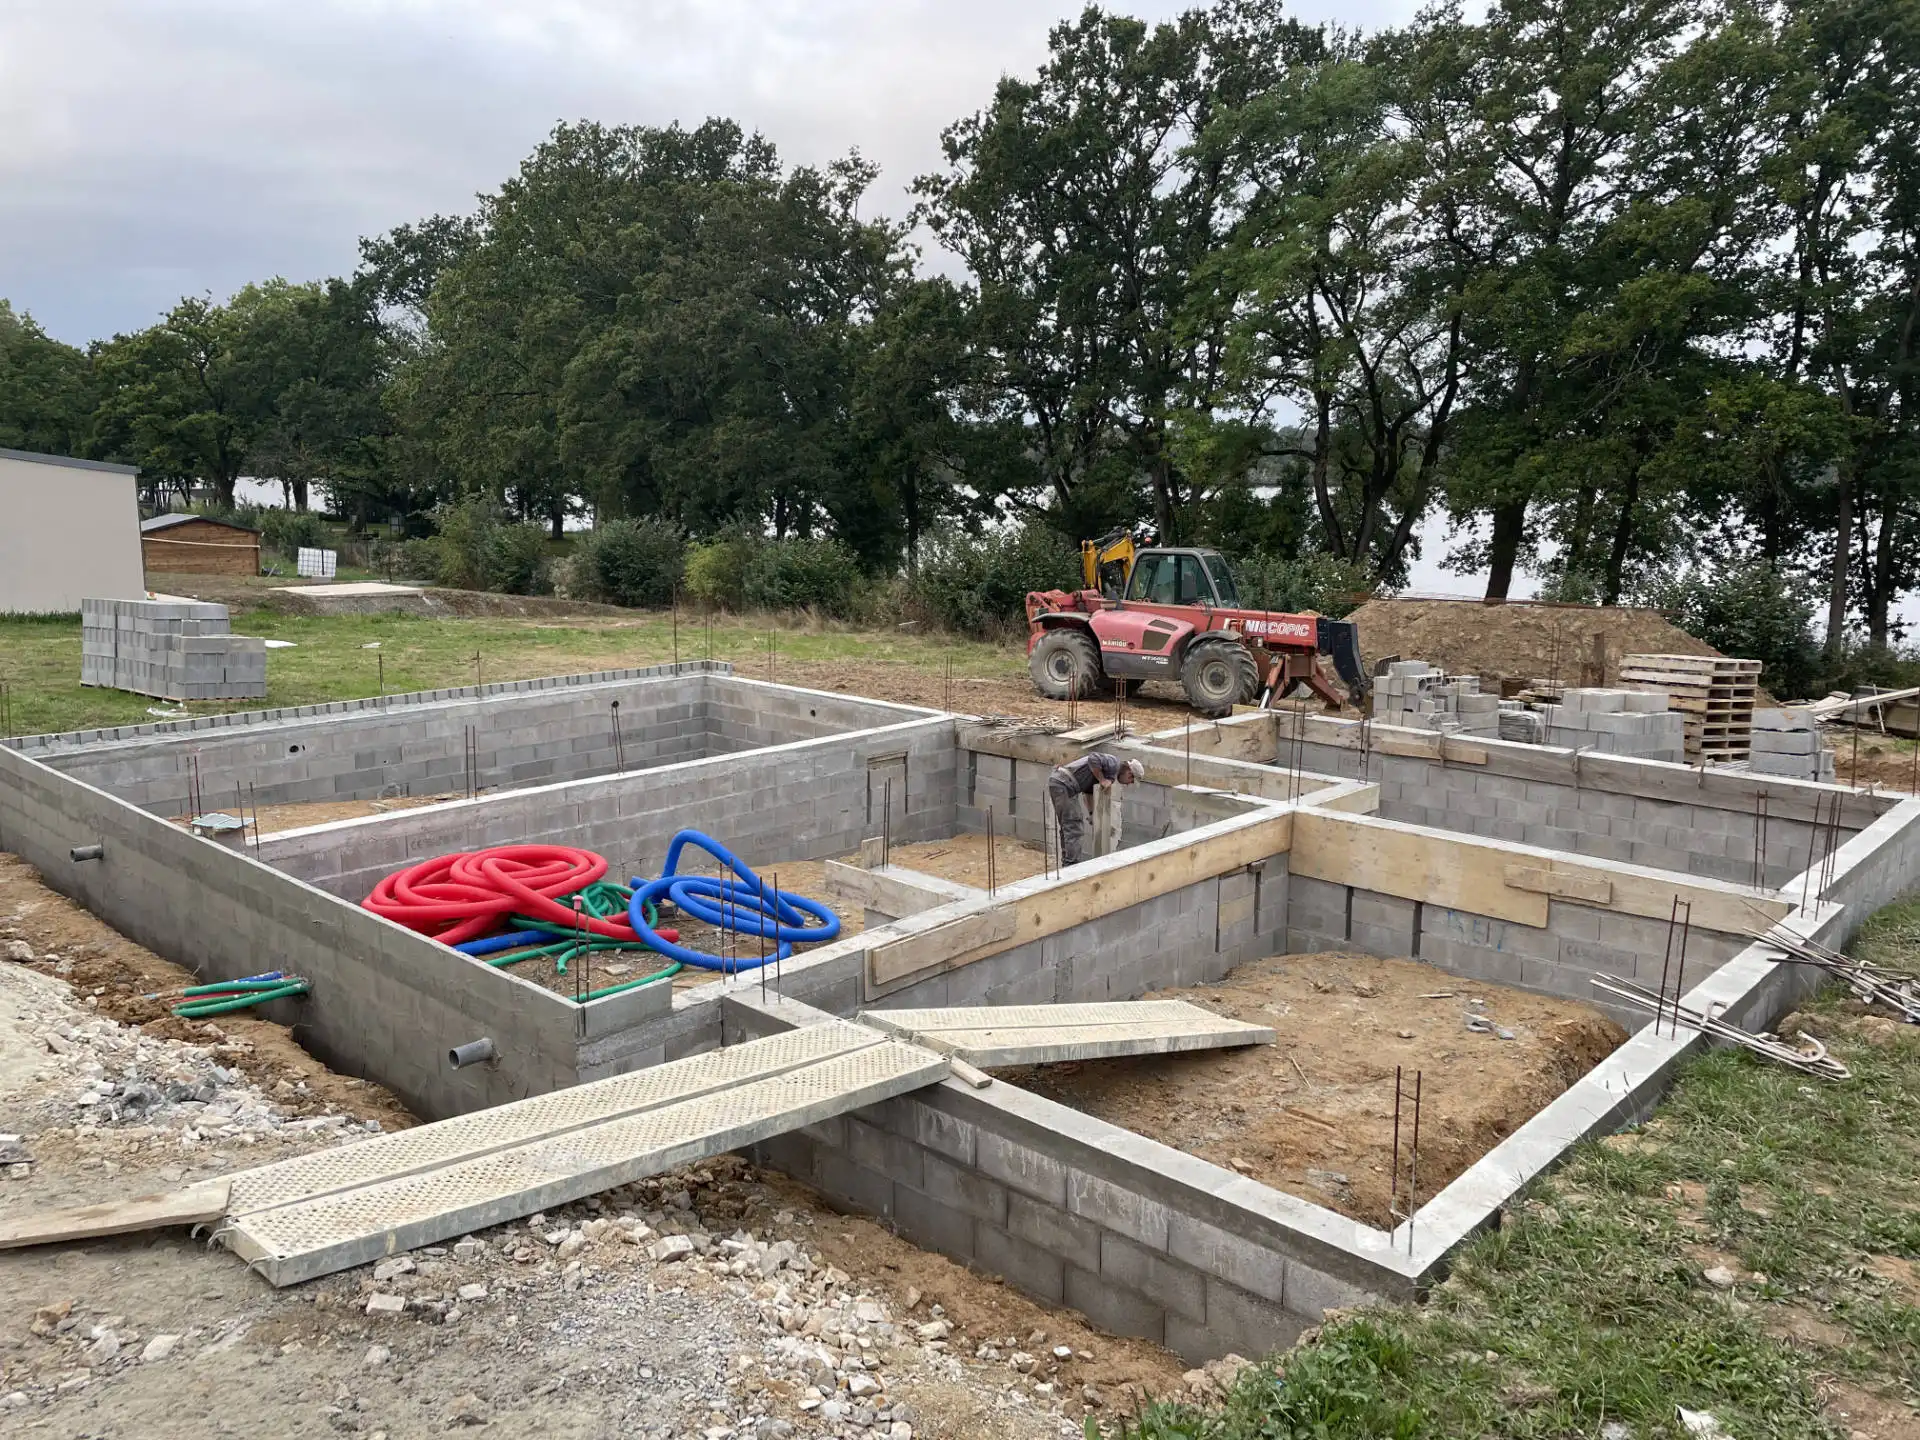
<point x="287" y="532"/>
<point x="1314" y="582"/>
<point x="514" y="560"/>
<point x="978" y="584"/>
<point x="460" y="549"/>
<point x="716" y="572"/>
<point x="629" y="562"/>
<point x="1754" y="611"/>
<point x="803" y="573"/>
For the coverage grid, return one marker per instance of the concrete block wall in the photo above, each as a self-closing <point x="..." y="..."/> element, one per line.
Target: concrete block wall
<point x="1577" y="943"/>
<point x="386" y="1003"/>
<point x="803" y="801"/>
<point x="1016" y="792"/>
<point x="523" y="737"/>
<point x="1669" y="817"/>
<point x="172" y="649"/>
<point x="1141" y="1239"/>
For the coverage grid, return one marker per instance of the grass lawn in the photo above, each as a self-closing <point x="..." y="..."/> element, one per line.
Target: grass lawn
<point x="1589" y="1314"/>
<point x="336" y="658"/>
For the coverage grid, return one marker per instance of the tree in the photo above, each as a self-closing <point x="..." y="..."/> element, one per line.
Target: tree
<point x="45" y="389"/>
<point x="179" y="399"/>
<point x="1083" y="208"/>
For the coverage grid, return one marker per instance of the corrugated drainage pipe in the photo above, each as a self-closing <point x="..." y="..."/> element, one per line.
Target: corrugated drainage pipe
<point x="474" y="1052"/>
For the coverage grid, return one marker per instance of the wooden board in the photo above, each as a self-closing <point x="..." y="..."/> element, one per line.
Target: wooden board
<point x="1035" y="908"/>
<point x="1459" y="872"/>
<point x="195" y="1205"/>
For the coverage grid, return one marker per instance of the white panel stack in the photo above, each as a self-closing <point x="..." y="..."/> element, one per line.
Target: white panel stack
<point x="1786" y="742"/>
<point x="1413" y="693"/>
<point x="1617" y="722"/>
<point x="171" y="649"/>
<point x="316" y="564"/>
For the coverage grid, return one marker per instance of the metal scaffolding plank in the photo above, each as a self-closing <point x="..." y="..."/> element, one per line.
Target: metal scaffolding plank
<point x="464" y="1137"/>
<point x="998" y="1035"/>
<point x="344" y="1227"/>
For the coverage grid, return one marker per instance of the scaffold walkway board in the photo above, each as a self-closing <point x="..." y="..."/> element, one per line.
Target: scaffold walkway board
<point x="327" y="1211"/>
<point x="999" y="1035"/>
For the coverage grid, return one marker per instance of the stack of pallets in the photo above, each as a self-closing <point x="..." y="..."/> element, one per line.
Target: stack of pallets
<point x="1714" y="693"/>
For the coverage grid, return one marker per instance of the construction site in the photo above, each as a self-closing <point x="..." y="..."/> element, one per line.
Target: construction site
<point x="918" y="1099"/>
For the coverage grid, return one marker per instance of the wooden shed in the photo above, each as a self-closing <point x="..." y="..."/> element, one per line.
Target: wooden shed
<point x="196" y="545"/>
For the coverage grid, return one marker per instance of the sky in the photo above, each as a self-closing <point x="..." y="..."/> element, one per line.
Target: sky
<point x="151" y="149"/>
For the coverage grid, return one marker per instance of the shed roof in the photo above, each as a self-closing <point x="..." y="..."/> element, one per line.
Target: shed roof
<point x="167" y="522"/>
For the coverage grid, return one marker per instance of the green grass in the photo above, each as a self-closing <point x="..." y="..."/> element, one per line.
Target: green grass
<point x="331" y="658"/>
<point x="1588" y="1306"/>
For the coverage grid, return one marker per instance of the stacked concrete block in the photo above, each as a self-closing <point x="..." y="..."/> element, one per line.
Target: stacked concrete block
<point x="1617" y="722"/>
<point x="172" y="649"/>
<point x="1522" y="725"/>
<point x="1786" y="742"/>
<point x="1413" y="693"/>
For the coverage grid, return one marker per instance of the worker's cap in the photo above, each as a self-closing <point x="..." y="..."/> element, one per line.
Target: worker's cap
<point x="1132" y="771"/>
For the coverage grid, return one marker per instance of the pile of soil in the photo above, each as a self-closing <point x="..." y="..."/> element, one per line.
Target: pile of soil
<point x="1518" y="640"/>
<point x="1313" y="1113"/>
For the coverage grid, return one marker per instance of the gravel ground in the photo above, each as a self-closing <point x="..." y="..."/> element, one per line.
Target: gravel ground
<point x="712" y="1302"/>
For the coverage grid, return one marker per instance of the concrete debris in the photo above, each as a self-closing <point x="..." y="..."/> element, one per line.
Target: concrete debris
<point x="158" y="1349"/>
<point x="1699" y="1422"/>
<point x="20" y="951"/>
<point x="381" y="1304"/>
<point x="1719" y="1277"/>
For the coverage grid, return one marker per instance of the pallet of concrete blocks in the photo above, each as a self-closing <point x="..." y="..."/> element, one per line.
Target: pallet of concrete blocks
<point x="1714" y="692"/>
<point x="170" y="649"/>
<point x="1787" y="742"/>
<point x="1616" y="722"/>
<point x="1414" y="693"/>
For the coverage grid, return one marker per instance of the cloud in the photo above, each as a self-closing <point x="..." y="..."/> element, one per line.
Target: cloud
<point x="154" y="148"/>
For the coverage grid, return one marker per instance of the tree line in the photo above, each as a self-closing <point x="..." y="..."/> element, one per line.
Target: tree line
<point x="1622" y="289"/>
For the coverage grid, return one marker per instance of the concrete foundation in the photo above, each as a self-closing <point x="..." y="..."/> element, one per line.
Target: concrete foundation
<point x="1504" y="863"/>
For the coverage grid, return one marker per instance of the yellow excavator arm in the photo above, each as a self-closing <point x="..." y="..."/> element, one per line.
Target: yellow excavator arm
<point x="1106" y="563"/>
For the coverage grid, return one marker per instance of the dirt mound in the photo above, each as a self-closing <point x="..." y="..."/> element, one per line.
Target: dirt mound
<point x="1519" y="641"/>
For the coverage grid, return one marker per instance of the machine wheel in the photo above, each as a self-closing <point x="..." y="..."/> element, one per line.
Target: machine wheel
<point x="1065" y="664"/>
<point x="1217" y="675"/>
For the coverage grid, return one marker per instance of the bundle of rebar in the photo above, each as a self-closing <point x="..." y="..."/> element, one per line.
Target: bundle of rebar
<point x="1809" y="1058"/>
<point x="1871" y="984"/>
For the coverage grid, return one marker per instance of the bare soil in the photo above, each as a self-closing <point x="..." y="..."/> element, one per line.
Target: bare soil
<point x="129" y="983"/>
<point x="1517" y="641"/>
<point x="298" y="815"/>
<point x="1313" y="1114"/>
<point x="963" y="859"/>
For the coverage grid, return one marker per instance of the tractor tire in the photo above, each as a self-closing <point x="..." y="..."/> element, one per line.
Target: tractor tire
<point x="1065" y="665"/>
<point x="1218" y="675"/>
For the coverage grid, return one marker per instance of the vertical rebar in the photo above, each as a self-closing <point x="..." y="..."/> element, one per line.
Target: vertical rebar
<point x="476" y="669"/>
<point x="992" y="850"/>
<point x="947" y="700"/>
<point x="619" y="746"/>
<point x="1413" y="1161"/>
<point x="380" y="664"/>
<point x="886" y="823"/>
<point x="1666" y="963"/>
<point x="1393" y="1183"/>
<point x="1854" y="763"/>
<point x="1073" y="701"/>
<point x="253" y="802"/>
<point x="1680" y="970"/>
<point x="676" y="629"/>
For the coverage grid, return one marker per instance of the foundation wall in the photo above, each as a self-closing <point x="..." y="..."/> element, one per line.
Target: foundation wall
<point x="417" y="746"/>
<point x="1671" y="817"/>
<point x="1015" y="791"/>
<point x="808" y="800"/>
<point x="386" y="1003"/>
<point x="1577" y="943"/>
<point x="1139" y="1238"/>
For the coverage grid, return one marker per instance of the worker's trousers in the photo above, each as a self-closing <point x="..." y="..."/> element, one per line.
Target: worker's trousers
<point x="1070" y="810"/>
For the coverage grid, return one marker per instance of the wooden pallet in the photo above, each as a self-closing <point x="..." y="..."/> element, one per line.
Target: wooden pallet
<point x="1714" y="693"/>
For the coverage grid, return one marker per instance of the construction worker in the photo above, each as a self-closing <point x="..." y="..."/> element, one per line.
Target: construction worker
<point x="1071" y="786"/>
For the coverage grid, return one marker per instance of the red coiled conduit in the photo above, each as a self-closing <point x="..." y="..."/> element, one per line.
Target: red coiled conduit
<point x="455" y="898"/>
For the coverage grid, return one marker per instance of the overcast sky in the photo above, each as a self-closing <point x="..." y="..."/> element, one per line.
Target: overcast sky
<point x="155" y="148"/>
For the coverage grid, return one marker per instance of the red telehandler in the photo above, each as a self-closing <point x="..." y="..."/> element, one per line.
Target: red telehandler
<point x="1174" y="614"/>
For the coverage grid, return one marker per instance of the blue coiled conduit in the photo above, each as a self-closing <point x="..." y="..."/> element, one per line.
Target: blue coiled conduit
<point x="743" y="903"/>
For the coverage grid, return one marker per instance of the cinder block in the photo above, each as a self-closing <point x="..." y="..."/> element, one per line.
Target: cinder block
<point x="1227" y="1256"/>
<point x="1167" y="1283"/>
<point x="1113" y="1309"/>
<point x="1024" y="1266"/>
<point x="1074" y="1240"/>
<point x="931" y="1225"/>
